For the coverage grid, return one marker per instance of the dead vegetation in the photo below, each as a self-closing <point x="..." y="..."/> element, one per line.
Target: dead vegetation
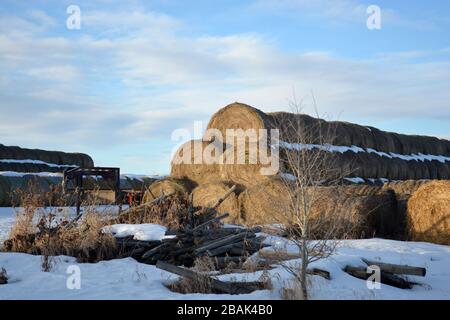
<point x="45" y="230"/>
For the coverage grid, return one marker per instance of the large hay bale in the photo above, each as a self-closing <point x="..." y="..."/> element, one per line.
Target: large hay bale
<point x="363" y="211"/>
<point x="265" y="203"/>
<point x="207" y="194"/>
<point x="188" y="162"/>
<point x="238" y="116"/>
<point x="180" y="187"/>
<point x="429" y="213"/>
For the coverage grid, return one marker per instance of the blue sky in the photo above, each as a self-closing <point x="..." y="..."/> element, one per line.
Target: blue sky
<point x="134" y="72"/>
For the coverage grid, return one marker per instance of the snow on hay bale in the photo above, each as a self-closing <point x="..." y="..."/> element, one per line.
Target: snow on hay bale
<point x="366" y="210"/>
<point x="205" y="195"/>
<point x="51" y="157"/>
<point x="429" y="213"/>
<point x="378" y="163"/>
<point x="178" y="187"/>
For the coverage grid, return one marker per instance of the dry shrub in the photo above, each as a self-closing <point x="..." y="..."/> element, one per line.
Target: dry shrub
<point x="358" y="211"/>
<point x="206" y="195"/>
<point x="173" y="213"/>
<point x="429" y="213"/>
<point x="43" y="230"/>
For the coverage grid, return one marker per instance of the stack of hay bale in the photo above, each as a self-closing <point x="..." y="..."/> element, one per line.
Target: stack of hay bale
<point x="371" y="153"/>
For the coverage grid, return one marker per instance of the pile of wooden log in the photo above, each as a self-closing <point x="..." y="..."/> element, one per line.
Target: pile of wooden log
<point x="201" y="235"/>
<point x="390" y="274"/>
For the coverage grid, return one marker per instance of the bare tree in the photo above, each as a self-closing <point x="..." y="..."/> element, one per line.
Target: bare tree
<point x="306" y="154"/>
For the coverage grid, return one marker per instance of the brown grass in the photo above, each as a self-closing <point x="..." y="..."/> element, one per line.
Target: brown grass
<point x="44" y="231"/>
<point x="172" y="213"/>
<point x="429" y="213"/>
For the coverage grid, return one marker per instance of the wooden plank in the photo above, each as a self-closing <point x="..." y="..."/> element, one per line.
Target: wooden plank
<point x="385" y="277"/>
<point x="210" y="221"/>
<point x="225" y="287"/>
<point x="397" y="268"/>
<point x="223" y="241"/>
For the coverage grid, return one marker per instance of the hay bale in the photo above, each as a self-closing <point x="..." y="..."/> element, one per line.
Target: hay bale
<point x="206" y="195"/>
<point x="53" y="157"/>
<point x="429" y="213"/>
<point x="238" y="116"/>
<point x="180" y="187"/>
<point x="188" y="162"/>
<point x="366" y="210"/>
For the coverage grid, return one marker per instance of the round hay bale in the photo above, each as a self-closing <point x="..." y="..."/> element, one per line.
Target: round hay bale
<point x="180" y="188"/>
<point x="362" y="210"/>
<point x="238" y="116"/>
<point x="265" y="203"/>
<point x="429" y="213"/>
<point x="206" y="195"/>
<point x="189" y="163"/>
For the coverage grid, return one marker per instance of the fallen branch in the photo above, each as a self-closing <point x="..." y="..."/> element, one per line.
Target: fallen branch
<point x="221" y="286"/>
<point x="396" y="268"/>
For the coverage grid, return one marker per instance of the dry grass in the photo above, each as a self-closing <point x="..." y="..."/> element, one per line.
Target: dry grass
<point x="43" y="230"/>
<point x="173" y="212"/>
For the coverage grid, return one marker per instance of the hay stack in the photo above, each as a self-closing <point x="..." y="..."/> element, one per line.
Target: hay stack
<point x="366" y="210"/>
<point x="429" y="213"/>
<point x="365" y="165"/>
<point x="207" y="194"/>
<point x="181" y="188"/>
<point x="53" y="157"/>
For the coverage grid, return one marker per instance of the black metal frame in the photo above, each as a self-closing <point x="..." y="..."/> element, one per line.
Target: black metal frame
<point x="76" y="175"/>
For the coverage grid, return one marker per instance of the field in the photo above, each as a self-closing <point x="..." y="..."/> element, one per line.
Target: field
<point x="129" y="279"/>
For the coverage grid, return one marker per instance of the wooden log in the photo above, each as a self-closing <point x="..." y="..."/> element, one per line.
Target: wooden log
<point x="385" y="277"/>
<point x="210" y="221"/>
<point x="156" y="250"/>
<point x="223" y="241"/>
<point x="319" y="272"/>
<point x="218" y="202"/>
<point x="397" y="268"/>
<point x="221" y="286"/>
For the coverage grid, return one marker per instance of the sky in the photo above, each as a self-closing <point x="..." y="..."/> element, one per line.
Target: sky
<point x="135" y="71"/>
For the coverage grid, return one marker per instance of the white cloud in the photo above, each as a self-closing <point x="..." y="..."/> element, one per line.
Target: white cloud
<point x="130" y="84"/>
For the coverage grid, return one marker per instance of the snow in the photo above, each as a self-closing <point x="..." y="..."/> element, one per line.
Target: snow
<point x="143" y="232"/>
<point x="355" y="180"/>
<point x="29" y="161"/>
<point x="342" y="149"/>
<point x="141" y="176"/>
<point x="22" y="174"/>
<point x="129" y="279"/>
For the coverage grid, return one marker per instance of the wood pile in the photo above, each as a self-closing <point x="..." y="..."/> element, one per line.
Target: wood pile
<point x="202" y="234"/>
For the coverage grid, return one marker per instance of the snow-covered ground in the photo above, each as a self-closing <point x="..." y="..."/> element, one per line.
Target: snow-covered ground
<point x="128" y="279"/>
